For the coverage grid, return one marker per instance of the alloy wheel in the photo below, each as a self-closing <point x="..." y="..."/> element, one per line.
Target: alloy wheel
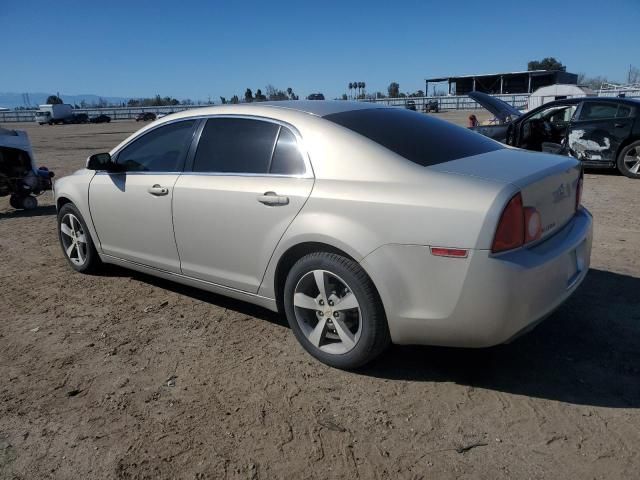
<point x="327" y="311"/>
<point x="632" y="160"/>
<point x="74" y="239"/>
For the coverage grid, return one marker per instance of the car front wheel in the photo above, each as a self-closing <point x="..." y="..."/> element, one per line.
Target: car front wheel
<point x="76" y="241"/>
<point x="629" y="160"/>
<point x="334" y="310"/>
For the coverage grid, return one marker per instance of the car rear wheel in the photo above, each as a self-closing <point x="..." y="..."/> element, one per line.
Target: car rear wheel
<point x="76" y="241"/>
<point x="629" y="160"/>
<point x="334" y="310"/>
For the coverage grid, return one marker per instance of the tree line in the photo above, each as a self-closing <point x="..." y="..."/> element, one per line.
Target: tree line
<point x="272" y="94"/>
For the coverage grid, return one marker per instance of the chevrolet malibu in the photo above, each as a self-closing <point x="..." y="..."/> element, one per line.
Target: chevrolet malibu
<point x="363" y="224"/>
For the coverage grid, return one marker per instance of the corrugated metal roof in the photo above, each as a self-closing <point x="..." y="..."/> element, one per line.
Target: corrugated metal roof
<point x="480" y="75"/>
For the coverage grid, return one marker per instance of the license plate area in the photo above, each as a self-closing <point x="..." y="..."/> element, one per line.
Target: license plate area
<point x="575" y="265"/>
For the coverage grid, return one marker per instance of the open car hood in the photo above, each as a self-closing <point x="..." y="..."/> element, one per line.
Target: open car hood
<point x="502" y="110"/>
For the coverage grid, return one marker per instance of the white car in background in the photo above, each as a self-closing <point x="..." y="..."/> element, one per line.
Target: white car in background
<point x="363" y="224"/>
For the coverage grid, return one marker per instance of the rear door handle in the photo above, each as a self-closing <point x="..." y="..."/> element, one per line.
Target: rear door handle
<point x="158" y="190"/>
<point x="619" y="125"/>
<point x="273" y="199"/>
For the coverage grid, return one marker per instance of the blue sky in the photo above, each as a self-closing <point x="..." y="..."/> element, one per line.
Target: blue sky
<point x="197" y="49"/>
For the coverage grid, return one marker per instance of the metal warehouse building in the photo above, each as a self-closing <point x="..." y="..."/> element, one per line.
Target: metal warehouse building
<point x="510" y="82"/>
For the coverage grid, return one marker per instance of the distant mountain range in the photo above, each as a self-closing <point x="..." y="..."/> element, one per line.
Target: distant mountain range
<point x="13" y="100"/>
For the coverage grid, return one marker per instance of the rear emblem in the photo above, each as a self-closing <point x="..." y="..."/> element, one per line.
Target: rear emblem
<point x="562" y="192"/>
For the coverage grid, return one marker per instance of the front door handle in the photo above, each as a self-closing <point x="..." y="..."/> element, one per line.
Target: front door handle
<point x="619" y="125"/>
<point x="273" y="199"/>
<point x="158" y="190"/>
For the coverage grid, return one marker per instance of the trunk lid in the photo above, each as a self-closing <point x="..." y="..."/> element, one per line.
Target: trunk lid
<point x="547" y="182"/>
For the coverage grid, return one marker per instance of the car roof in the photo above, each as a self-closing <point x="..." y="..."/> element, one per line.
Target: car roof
<point x="290" y="111"/>
<point x="320" y="108"/>
<point x="570" y="101"/>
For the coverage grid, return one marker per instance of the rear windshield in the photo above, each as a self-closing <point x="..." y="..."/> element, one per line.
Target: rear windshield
<point x="415" y="136"/>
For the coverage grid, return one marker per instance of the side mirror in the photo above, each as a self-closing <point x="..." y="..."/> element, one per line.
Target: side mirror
<point x="100" y="161"/>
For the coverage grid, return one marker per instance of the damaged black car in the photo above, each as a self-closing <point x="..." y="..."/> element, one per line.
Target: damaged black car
<point x="601" y="132"/>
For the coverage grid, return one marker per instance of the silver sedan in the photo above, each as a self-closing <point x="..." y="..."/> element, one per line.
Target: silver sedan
<point x="363" y="224"/>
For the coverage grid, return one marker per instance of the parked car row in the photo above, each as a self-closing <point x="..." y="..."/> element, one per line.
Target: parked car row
<point x="100" y="119"/>
<point x="429" y="106"/>
<point x="63" y="114"/>
<point x="77" y="118"/>
<point x="60" y="114"/>
<point x="146" y="117"/>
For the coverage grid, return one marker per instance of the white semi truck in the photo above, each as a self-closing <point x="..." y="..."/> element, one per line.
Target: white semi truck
<point x="58" y="113"/>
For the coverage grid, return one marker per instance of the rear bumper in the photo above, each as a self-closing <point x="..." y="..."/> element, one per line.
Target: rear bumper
<point x="482" y="300"/>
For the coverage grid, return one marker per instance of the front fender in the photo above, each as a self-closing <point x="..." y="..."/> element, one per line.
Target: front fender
<point x="74" y="188"/>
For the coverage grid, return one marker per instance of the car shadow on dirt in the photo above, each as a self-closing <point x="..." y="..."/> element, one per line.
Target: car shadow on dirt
<point x="36" y="212"/>
<point x="586" y="353"/>
<point x="201" y="295"/>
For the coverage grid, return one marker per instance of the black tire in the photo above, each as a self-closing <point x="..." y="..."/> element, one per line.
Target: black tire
<point x="624" y="167"/>
<point x="29" y="202"/>
<point x="92" y="262"/>
<point x="374" y="337"/>
<point x="15" y="201"/>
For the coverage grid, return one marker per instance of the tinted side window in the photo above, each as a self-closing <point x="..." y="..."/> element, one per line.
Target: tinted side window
<point x="161" y="150"/>
<point x="417" y="137"/>
<point x="624" y="111"/>
<point x="287" y="159"/>
<point x="596" y="111"/>
<point x="235" y="145"/>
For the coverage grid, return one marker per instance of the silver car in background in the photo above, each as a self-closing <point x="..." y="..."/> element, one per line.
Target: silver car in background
<point x="363" y="224"/>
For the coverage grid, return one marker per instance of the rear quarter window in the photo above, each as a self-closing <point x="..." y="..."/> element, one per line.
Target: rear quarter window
<point x="415" y="136"/>
<point x="624" y="111"/>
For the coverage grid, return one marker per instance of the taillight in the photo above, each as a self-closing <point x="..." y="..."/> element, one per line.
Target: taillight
<point x="532" y="224"/>
<point x="579" y="190"/>
<point x="511" y="227"/>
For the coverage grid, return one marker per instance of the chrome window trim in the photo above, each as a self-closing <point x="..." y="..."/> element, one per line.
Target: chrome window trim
<point x="241" y="174"/>
<point x="273" y="149"/>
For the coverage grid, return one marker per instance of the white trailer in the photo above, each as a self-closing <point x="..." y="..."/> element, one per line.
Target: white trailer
<point x="557" y="92"/>
<point x="51" y="114"/>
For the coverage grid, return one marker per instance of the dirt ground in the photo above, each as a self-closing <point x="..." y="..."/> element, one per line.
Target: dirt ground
<point x="123" y="375"/>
